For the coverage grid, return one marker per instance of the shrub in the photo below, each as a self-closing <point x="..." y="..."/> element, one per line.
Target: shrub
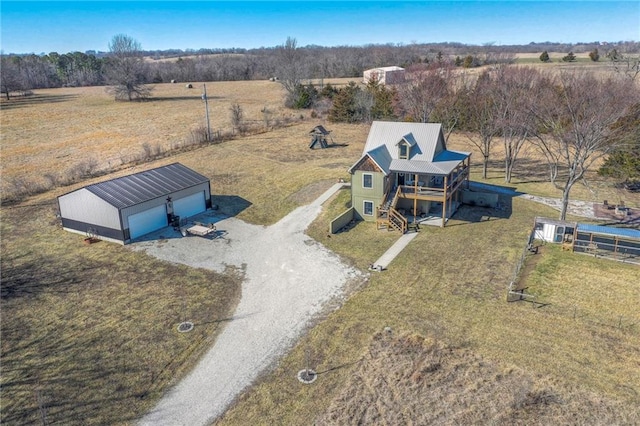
<point x="544" y="57"/>
<point x="303" y="97"/>
<point x="237" y="117"/>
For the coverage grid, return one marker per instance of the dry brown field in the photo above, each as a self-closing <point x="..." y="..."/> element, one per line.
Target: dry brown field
<point x="88" y="332"/>
<point x="55" y="130"/>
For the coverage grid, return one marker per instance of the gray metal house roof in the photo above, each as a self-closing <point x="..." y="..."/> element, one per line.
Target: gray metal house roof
<point x="428" y="150"/>
<point x="137" y="188"/>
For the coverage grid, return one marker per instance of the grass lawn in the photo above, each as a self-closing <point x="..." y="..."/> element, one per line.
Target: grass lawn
<point x="89" y="332"/>
<point x="449" y="285"/>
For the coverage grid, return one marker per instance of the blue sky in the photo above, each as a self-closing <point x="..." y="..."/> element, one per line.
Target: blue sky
<point x="67" y="26"/>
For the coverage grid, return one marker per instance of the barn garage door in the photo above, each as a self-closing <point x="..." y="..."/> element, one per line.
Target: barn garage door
<point x="190" y="205"/>
<point x="147" y="221"/>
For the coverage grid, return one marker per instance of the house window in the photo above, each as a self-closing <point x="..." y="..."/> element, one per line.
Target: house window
<point x="367" y="180"/>
<point x="368" y="208"/>
<point x="403" y="153"/>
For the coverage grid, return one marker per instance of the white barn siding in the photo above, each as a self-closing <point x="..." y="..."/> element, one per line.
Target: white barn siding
<point x="104" y="208"/>
<point x="83" y="206"/>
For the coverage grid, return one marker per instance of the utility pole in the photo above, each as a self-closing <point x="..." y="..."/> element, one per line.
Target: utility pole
<point x="206" y="108"/>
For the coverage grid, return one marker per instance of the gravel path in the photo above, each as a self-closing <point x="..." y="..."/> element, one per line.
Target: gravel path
<point x="289" y="277"/>
<point x="576" y="208"/>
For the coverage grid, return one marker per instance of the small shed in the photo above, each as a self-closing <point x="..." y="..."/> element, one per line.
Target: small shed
<point x="319" y="137"/>
<point x="128" y="207"/>
<point x="384" y="75"/>
<point x="553" y="231"/>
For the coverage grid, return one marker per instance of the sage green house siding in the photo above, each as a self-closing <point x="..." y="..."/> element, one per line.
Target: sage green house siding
<point x="360" y="194"/>
<point x="412" y="173"/>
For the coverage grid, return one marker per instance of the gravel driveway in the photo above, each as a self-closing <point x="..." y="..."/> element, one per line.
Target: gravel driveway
<point x="288" y="279"/>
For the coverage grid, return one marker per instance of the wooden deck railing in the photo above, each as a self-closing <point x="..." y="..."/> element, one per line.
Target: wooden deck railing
<point x="397" y="221"/>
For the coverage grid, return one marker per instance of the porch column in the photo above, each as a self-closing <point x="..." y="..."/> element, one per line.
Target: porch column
<point x="415" y="197"/>
<point x="444" y="202"/>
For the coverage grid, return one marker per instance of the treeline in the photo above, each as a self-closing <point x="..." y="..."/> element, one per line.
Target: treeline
<point x="573" y="118"/>
<point x="28" y="72"/>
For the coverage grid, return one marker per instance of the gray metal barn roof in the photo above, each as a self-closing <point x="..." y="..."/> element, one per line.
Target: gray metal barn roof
<point x="137" y="188"/>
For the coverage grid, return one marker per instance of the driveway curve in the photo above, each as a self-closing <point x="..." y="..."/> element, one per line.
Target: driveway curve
<point x="289" y="277"/>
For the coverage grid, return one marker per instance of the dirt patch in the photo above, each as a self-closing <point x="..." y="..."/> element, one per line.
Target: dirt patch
<point x="530" y="265"/>
<point x="310" y="192"/>
<point x="416" y="380"/>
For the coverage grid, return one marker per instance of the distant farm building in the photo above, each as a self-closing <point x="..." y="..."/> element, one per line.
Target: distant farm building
<point x="319" y="137"/>
<point x="385" y="75"/>
<point x="125" y="208"/>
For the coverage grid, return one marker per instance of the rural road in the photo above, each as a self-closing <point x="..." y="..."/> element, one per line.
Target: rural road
<point x="289" y="277"/>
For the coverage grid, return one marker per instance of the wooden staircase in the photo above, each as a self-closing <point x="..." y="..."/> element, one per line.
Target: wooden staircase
<point x="388" y="217"/>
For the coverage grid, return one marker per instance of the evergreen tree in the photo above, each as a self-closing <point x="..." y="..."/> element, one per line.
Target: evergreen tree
<point x="468" y="61"/>
<point x="569" y="58"/>
<point x="544" y="57"/>
<point x="344" y="108"/>
<point x="382" y="100"/>
<point x="302" y="97"/>
<point x="594" y="55"/>
<point x="624" y="162"/>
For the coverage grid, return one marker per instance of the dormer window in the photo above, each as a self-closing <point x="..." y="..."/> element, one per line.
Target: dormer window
<point x="403" y="151"/>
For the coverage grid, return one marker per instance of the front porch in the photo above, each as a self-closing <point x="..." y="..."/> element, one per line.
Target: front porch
<point x="431" y="218"/>
<point x="409" y="200"/>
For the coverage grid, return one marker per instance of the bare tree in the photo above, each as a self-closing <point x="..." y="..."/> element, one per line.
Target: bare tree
<point x="451" y="111"/>
<point x="422" y="92"/>
<point x="511" y="99"/>
<point x="125" y="69"/>
<point x="10" y="80"/>
<point x="480" y="120"/>
<point x="578" y="115"/>
<point x="290" y="67"/>
<point x="626" y="64"/>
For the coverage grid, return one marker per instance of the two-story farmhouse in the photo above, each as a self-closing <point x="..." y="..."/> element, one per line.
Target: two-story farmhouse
<point x="406" y="174"/>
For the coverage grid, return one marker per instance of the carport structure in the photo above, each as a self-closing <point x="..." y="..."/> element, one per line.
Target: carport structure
<point x="125" y="208"/>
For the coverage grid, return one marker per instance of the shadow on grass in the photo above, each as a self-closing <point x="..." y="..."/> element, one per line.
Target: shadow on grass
<point x="339" y="367"/>
<point x="33" y="277"/>
<point x="333" y="145"/>
<point x="526" y="170"/>
<point x="194" y="97"/>
<point x="230" y="319"/>
<point x="32" y="100"/>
